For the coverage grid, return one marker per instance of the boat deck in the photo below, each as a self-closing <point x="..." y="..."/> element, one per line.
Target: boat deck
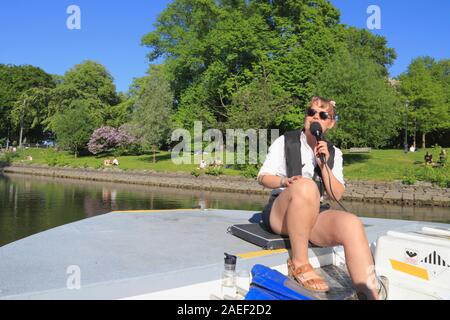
<point x="143" y="254"/>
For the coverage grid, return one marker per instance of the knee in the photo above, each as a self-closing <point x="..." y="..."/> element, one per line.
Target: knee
<point x="352" y="229"/>
<point x="304" y="189"/>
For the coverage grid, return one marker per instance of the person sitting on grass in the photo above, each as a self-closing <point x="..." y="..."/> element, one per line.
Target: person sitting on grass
<point x="428" y="158"/>
<point x="217" y="163"/>
<point x="442" y="157"/>
<point x="202" y="165"/>
<point x="294" y="170"/>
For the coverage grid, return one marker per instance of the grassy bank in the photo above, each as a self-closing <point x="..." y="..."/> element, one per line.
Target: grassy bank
<point x="141" y="162"/>
<point x="378" y="165"/>
<point x="389" y="165"/>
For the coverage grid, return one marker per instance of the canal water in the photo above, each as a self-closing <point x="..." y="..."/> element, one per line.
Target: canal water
<point x="30" y="204"/>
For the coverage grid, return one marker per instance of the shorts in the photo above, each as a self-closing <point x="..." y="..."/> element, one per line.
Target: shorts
<point x="265" y="215"/>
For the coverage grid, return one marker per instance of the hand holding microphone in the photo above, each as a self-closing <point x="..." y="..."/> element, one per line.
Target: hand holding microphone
<point x="322" y="156"/>
<point x="321" y="149"/>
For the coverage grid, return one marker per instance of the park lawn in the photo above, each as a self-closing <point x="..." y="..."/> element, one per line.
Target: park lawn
<point x="141" y="162"/>
<point x="378" y="165"/>
<point x="383" y="165"/>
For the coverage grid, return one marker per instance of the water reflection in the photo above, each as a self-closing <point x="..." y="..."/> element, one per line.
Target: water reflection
<point x="31" y="204"/>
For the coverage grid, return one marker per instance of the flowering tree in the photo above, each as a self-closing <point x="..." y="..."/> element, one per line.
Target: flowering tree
<point x="107" y="138"/>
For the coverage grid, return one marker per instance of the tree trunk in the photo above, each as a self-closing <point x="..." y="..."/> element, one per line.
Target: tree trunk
<point x="415" y="131"/>
<point x="423" y="140"/>
<point x="154" y="155"/>
<point x="7" y="141"/>
<point x="21" y="135"/>
<point x="21" y="125"/>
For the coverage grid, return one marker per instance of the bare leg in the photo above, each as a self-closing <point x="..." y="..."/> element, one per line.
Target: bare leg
<point x="342" y="228"/>
<point x="294" y="213"/>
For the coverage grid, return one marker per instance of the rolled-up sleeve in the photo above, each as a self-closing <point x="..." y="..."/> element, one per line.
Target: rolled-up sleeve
<point x="274" y="164"/>
<point x="338" y="166"/>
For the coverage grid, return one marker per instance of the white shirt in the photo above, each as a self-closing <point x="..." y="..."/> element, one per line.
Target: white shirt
<point x="275" y="163"/>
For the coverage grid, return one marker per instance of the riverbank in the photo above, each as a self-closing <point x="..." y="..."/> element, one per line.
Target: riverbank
<point x="419" y="194"/>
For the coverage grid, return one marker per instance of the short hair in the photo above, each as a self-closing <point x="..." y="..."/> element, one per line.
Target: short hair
<point x="324" y="104"/>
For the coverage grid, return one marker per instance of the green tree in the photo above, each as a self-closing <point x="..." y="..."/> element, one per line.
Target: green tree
<point x="428" y="100"/>
<point x="15" y="80"/>
<point x="258" y="105"/>
<point x="117" y="115"/>
<point x="441" y="72"/>
<point x="30" y="110"/>
<point x="362" y="42"/>
<point x="213" y="49"/>
<point x="94" y="79"/>
<point x="73" y="127"/>
<point x="152" y="111"/>
<point x="120" y="114"/>
<point x="66" y="97"/>
<point x="369" y="109"/>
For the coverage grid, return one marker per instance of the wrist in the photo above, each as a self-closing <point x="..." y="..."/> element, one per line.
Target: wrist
<point x="322" y="165"/>
<point x="260" y="179"/>
<point x="282" y="182"/>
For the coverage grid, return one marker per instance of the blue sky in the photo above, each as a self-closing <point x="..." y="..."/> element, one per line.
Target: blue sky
<point x="35" y="32"/>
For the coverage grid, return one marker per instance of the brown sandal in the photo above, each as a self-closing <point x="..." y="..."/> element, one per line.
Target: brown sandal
<point x="306" y="277"/>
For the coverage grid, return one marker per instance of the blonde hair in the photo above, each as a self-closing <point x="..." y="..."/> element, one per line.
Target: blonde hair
<point x="324" y="104"/>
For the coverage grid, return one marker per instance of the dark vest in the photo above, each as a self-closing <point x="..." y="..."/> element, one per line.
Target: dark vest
<point x="293" y="156"/>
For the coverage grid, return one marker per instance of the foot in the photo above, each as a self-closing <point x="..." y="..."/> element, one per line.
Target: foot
<point x="306" y="276"/>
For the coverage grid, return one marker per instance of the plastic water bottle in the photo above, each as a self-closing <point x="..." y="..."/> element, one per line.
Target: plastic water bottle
<point x="229" y="276"/>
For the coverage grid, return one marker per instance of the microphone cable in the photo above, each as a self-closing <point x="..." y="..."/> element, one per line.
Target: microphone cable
<point x="316" y="131"/>
<point x="329" y="183"/>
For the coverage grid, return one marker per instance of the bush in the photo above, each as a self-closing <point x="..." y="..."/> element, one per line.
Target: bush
<point x="250" y="171"/>
<point x="409" y="180"/>
<point x="196" y="173"/>
<point x="409" y="177"/>
<point x="439" y="176"/>
<point x="51" y="160"/>
<point x="5" y="159"/>
<point x="214" y="171"/>
<point x="108" y="139"/>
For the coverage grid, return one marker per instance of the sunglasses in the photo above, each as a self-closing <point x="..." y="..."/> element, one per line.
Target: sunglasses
<point x="310" y="112"/>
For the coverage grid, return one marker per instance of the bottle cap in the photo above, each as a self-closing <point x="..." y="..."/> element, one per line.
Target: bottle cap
<point x="230" y="259"/>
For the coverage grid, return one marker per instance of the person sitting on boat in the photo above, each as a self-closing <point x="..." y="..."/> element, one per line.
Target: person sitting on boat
<point x="294" y="170"/>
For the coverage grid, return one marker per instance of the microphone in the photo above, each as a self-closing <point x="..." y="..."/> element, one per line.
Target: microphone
<point x="316" y="131"/>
